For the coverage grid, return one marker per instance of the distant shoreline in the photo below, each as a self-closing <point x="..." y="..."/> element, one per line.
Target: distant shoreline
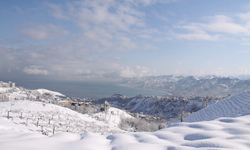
<point x="125" y="85"/>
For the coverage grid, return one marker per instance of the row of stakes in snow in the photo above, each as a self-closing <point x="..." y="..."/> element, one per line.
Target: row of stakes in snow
<point x="37" y="124"/>
<point x="50" y="122"/>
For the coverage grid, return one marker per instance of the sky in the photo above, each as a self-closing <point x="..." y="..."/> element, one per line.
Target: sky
<point x="114" y="39"/>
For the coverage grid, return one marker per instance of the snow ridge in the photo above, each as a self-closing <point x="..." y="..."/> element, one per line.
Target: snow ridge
<point x="237" y="105"/>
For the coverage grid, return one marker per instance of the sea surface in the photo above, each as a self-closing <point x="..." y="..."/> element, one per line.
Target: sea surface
<point x="87" y="89"/>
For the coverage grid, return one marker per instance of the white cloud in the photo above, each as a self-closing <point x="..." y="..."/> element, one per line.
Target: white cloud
<point x="127" y="73"/>
<point x="145" y="36"/>
<point x="150" y="2"/>
<point x="216" y="28"/>
<point x="160" y="16"/>
<point x="35" y="71"/>
<point x="219" y="71"/>
<point x="245" y="16"/>
<point x="137" y="71"/>
<point x="149" y="47"/>
<point x="42" y="32"/>
<point x="109" y="14"/>
<point x="220" y="23"/>
<point x="243" y="71"/>
<point x="196" y="36"/>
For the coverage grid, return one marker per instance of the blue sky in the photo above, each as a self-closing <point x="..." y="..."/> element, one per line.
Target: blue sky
<point x="109" y="40"/>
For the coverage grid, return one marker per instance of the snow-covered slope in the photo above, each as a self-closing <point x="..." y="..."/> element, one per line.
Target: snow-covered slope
<point x="29" y="113"/>
<point x="228" y="134"/>
<point x="220" y="133"/>
<point x="20" y="93"/>
<point x="237" y="105"/>
<point x="112" y="116"/>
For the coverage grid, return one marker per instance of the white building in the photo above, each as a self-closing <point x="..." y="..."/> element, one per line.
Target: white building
<point x="10" y="84"/>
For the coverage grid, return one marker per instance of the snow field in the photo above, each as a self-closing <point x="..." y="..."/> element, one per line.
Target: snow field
<point x="222" y="134"/>
<point x="221" y="126"/>
<point x="19" y="93"/>
<point x="233" y="106"/>
<point x="112" y="116"/>
<point x="42" y="117"/>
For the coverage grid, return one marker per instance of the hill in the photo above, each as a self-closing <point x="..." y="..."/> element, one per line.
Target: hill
<point x="234" y="106"/>
<point x="231" y="132"/>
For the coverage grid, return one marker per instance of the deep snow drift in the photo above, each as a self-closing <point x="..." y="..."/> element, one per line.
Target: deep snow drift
<point x="231" y="132"/>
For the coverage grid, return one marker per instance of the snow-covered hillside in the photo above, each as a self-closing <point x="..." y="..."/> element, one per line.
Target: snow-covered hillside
<point x="231" y="133"/>
<point x="190" y="85"/>
<point x="112" y="116"/>
<point x="163" y="107"/>
<point x="234" y="106"/>
<point x="37" y="116"/>
<point x="20" y="93"/>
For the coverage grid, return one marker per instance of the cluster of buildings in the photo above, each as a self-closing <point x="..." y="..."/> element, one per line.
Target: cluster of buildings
<point x="7" y="85"/>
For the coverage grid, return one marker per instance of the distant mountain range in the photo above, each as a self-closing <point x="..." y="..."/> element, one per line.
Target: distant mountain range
<point x="186" y="86"/>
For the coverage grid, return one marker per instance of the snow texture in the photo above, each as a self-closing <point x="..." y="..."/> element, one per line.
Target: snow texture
<point x="220" y="131"/>
<point x="234" y="106"/>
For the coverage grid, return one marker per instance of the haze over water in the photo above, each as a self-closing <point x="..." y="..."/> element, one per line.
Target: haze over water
<point x="87" y="89"/>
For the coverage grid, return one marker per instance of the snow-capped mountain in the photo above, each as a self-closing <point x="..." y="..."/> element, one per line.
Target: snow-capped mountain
<point x="209" y="85"/>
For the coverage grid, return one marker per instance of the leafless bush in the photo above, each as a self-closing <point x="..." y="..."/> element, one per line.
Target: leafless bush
<point x="140" y="125"/>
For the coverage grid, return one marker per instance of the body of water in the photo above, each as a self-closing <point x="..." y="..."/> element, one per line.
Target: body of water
<point x="87" y="89"/>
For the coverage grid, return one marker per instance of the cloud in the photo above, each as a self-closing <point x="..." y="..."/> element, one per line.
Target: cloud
<point x="150" y="2"/>
<point x="137" y="71"/>
<point x="100" y="27"/>
<point x="42" y="32"/>
<point x="35" y="71"/>
<point x="145" y="36"/>
<point x="243" y="71"/>
<point x="197" y="33"/>
<point x="215" y="28"/>
<point x="149" y="47"/>
<point x="196" y="36"/>
<point x="245" y="16"/>
<point x="109" y="14"/>
<point x="219" y="71"/>
<point x="112" y="58"/>
<point x="224" y="24"/>
<point x="160" y="16"/>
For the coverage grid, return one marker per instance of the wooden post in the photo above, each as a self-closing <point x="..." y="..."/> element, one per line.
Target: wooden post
<point x="37" y="123"/>
<point x="49" y="121"/>
<point x="21" y="115"/>
<point x="26" y="122"/>
<point x="8" y="114"/>
<point x="52" y="116"/>
<point x="54" y="130"/>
